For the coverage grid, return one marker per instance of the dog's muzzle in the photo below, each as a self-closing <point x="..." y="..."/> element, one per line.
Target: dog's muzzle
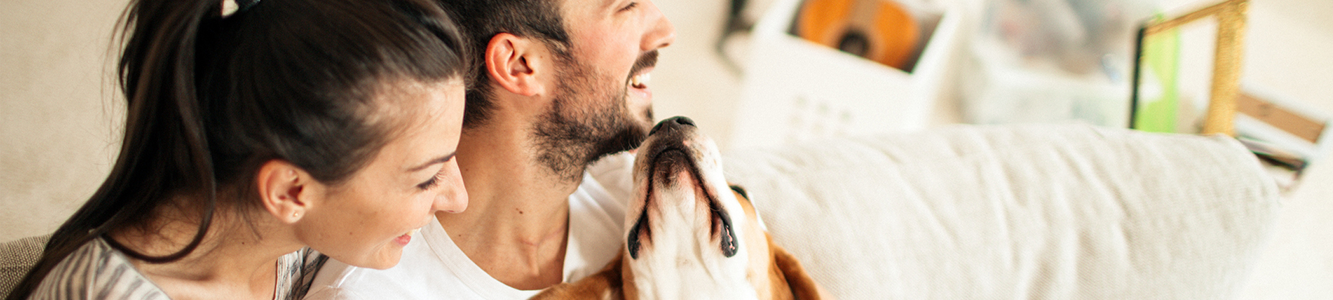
<point x="670" y="154"/>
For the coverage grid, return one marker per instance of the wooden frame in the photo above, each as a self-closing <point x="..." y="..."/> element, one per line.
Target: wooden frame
<point x="1231" y="22"/>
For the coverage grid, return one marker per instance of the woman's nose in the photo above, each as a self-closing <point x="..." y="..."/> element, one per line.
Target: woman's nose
<point x="453" y="198"/>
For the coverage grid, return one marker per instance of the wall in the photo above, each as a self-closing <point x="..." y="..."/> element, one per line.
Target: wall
<point x="57" y="109"/>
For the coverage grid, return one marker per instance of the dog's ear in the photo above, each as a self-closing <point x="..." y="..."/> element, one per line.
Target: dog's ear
<point x="802" y="286"/>
<point x="606" y="284"/>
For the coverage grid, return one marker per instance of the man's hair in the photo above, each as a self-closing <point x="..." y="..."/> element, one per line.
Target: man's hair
<point x="483" y="19"/>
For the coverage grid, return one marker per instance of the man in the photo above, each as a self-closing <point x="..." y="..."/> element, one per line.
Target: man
<point x="562" y="84"/>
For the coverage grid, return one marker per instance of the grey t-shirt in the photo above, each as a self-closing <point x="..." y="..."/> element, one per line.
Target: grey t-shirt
<point x="98" y="271"/>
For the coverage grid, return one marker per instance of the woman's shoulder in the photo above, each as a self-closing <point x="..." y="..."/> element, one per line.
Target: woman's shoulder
<point x="96" y="271"/>
<point x="296" y="272"/>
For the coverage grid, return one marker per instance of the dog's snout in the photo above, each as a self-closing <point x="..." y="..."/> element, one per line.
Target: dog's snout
<point x="672" y="122"/>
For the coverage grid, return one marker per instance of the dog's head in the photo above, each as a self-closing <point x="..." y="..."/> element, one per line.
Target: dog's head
<point x="685" y="225"/>
<point x="688" y="232"/>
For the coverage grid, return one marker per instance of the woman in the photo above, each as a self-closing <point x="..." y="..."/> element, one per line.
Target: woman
<point x="258" y="133"/>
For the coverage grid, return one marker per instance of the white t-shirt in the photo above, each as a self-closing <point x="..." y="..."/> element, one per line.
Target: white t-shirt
<point x="433" y="267"/>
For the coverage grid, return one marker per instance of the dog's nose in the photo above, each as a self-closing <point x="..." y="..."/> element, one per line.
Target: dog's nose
<point x="676" y="121"/>
<point x="682" y="120"/>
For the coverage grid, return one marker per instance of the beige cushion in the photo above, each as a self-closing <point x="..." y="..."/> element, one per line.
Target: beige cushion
<point x="1017" y="212"/>
<point x="16" y="258"/>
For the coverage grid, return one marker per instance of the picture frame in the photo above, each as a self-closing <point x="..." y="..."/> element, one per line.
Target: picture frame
<point x="1219" y="118"/>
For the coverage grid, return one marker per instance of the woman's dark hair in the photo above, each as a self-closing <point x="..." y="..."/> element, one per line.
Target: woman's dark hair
<point x="211" y="99"/>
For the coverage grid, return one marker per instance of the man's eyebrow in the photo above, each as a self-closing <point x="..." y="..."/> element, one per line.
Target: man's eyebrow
<point x="437" y="160"/>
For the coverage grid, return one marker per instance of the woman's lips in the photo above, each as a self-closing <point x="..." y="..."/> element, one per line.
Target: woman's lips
<point x="402" y="240"/>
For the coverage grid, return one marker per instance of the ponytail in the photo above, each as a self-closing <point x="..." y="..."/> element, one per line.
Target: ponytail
<point x="212" y="98"/>
<point x="164" y="143"/>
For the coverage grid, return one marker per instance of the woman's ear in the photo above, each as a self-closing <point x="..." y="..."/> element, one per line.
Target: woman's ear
<point x="515" y="63"/>
<point x="285" y="190"/>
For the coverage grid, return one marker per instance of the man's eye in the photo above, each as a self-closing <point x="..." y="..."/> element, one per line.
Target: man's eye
<point x="631" y="5"/>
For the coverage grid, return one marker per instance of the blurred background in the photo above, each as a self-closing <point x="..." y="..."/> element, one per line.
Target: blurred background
<point x="763" y="73"/>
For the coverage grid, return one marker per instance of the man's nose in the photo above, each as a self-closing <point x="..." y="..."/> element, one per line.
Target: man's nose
<point x="660" y="31"/>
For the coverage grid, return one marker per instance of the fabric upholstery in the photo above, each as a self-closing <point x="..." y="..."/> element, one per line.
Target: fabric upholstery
<point x="16" y="258"/>
<point x="1016" y="212"/>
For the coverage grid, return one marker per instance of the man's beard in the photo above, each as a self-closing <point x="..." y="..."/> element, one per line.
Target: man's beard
<point x="588" y="121"/>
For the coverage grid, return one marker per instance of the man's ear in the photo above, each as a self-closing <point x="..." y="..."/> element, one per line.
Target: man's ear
<point x="514" y="62"/>
<point x="285" y="190"/>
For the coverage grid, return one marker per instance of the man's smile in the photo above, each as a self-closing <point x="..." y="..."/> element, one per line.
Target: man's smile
<point x="641" y="74"/>
<point x="640" y="81"/>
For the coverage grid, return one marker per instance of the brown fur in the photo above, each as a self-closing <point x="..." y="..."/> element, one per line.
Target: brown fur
<point x="774" y="272"/>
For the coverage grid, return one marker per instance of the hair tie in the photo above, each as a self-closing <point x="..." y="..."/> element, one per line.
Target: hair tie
<point x="231" y="7"/>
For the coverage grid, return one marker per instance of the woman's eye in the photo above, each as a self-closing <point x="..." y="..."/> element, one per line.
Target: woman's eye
<point x="435" y="180"/>
<point x="432" y="183"/>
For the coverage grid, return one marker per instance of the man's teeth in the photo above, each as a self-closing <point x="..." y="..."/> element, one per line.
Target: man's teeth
<point x="413" y="232"/>
<point x="641" y="80"/>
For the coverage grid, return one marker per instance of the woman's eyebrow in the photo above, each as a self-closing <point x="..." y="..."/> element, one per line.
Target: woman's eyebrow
<point x="437" y="160"/>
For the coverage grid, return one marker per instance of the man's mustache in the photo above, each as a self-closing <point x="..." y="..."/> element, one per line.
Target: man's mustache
<point x="646" y="60"/>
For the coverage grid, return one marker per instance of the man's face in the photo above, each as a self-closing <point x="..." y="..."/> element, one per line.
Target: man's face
<point x="603" y="101"/>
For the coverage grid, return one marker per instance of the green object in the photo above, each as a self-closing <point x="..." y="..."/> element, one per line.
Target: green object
<point x="1157" y="110"/>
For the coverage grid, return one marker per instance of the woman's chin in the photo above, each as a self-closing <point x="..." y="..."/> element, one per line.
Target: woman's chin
<point x="386" y="260"/>
<point x="383" y="258"/>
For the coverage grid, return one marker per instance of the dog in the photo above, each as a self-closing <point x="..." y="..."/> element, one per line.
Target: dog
<point x="690" y="234"/>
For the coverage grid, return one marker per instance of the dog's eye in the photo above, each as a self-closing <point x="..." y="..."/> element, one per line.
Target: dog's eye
<point x="740" y="190"/>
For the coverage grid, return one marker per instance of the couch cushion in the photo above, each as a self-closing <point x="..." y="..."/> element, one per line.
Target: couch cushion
<point x="16" y="258"/>
<point x="1016" y="212"/>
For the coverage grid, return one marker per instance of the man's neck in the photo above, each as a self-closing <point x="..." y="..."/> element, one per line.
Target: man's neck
<point x="516" y="224"/>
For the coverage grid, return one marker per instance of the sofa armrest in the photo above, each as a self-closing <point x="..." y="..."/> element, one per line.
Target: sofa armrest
<point x="1016" y="212"/>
